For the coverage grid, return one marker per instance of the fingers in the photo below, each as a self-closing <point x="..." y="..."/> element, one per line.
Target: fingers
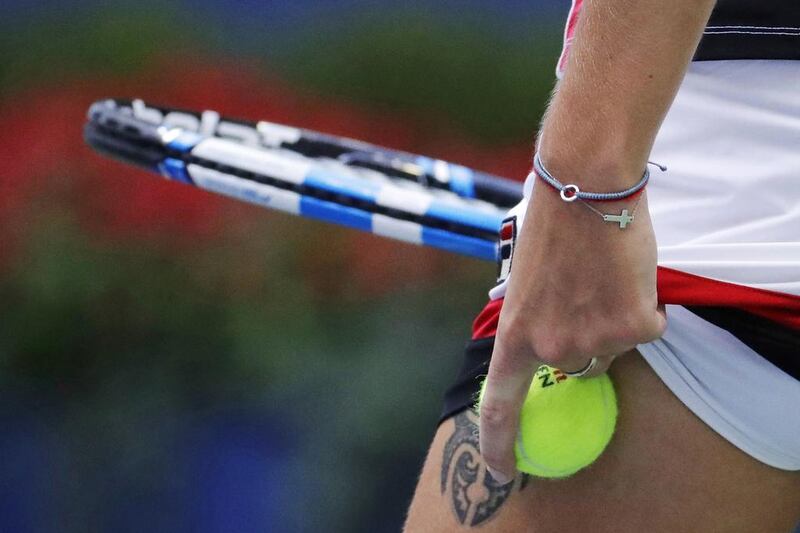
<point x="507" y="385"/>
<point x="514" y="361"/>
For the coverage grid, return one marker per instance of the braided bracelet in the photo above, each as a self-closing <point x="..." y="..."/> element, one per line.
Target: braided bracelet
<point x="571" y="192"/>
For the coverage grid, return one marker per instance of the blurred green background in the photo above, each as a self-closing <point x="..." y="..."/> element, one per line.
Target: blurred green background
<point x="176" y="361"/>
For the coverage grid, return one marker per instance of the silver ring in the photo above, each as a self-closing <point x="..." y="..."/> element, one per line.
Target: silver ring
<point x="583" y="371"/>
<point x="569" y="193"/>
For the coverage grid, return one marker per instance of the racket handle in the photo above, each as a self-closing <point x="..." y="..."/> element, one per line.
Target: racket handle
<point x="495" y="190"/>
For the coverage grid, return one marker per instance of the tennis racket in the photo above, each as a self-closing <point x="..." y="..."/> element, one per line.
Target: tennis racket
<point x="390" y="193"/>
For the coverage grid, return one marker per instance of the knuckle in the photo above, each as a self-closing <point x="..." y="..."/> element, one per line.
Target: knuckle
<point x="509" y="323"/>
<point x="506" y="348"/>
<point x="652" y="329"/>
<point x="659" y="326"/>
<point x="589" y="344"/>
<point x="628" y="334"/>
<point x="551" y="350"/>
<point x="637" y="328"/>
<point x="494" y="415"/>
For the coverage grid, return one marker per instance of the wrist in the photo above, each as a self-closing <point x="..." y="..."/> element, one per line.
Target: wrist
<point x="600" y="168"/>
<point x="614" y="216"/>
<point x="571" y="192"/>
<point x="593" y="149"/>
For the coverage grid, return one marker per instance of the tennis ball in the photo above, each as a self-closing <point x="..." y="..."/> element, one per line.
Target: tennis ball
<point x="565" y="423"/>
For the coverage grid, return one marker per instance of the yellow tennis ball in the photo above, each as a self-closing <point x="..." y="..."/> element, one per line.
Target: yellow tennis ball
<point x="565" y="423"/>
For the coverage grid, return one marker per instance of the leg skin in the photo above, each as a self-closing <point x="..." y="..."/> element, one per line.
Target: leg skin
<point x="664" y="471"/>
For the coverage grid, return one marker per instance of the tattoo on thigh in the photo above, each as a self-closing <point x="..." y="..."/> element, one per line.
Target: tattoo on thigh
<point x="474" y="494"/>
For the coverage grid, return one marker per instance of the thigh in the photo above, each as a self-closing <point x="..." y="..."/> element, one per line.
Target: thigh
<point x="664" y="470"/>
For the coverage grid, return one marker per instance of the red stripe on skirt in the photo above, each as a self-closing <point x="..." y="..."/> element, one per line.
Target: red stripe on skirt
<point x="681" y="288"/>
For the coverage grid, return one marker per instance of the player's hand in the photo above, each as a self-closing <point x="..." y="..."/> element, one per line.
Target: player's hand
<point x="580" y="288"/>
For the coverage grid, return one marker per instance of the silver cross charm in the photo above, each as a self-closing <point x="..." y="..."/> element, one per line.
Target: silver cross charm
<point x="623" y="218"/>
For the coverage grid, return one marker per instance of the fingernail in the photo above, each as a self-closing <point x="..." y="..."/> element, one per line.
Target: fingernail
<point x="499" y="476"/>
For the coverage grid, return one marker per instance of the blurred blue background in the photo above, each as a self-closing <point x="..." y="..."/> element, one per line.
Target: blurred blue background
<point x="175" y="361"/>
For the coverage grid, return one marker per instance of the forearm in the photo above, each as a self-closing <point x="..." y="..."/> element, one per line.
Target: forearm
<point x="582" y="289"/>
<point x="626" y="63"/>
